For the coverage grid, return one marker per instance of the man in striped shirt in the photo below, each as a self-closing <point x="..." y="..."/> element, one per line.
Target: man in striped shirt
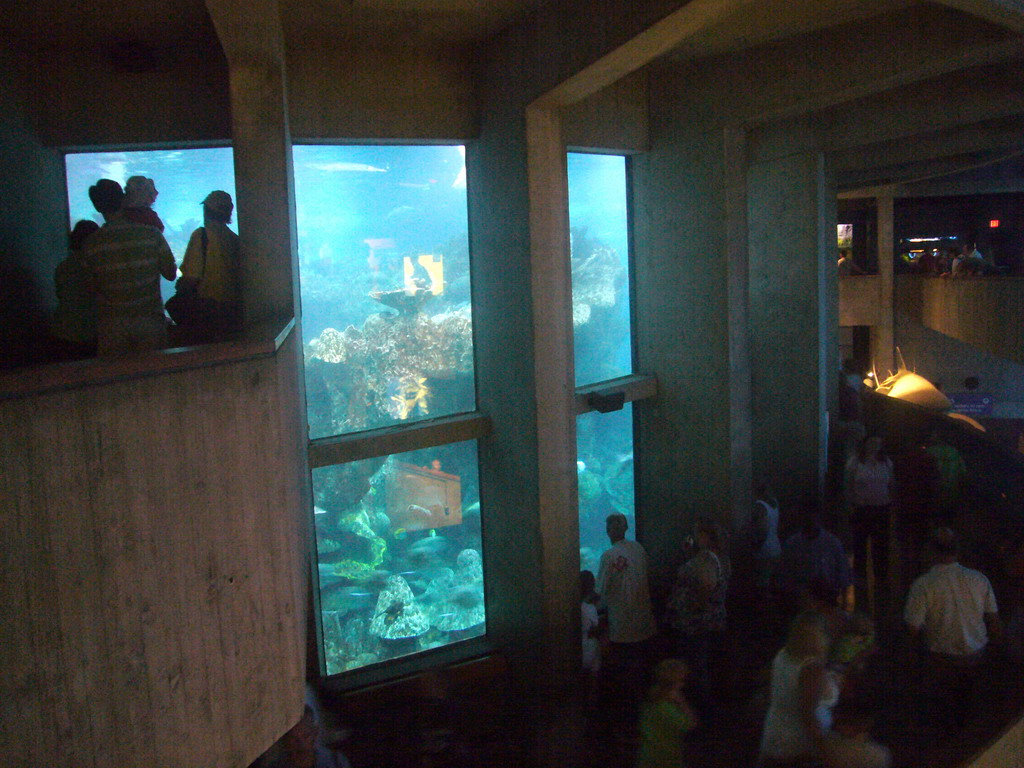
<point x="127" y="261"/>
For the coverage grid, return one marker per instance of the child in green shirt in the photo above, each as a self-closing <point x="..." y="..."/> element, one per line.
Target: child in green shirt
<point x="665" y="717"/>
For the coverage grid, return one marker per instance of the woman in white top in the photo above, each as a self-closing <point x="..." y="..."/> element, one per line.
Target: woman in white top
<point x="802" y="696"/>
<point x="869" y="480"/>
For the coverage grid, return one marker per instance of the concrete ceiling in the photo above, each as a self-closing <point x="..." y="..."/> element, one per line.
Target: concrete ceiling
<point x="766" y="21"/>
<point x="158" y="23"/>
<point x="136" y="34"/>
<point x="457" y="22"/>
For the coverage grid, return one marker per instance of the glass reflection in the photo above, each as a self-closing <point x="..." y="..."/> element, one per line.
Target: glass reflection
<point x="398" y="554"/>
<point x="384" y="271"/>
<point x="599" y="244"/>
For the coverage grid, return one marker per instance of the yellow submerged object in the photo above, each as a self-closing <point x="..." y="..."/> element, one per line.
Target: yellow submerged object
<point x="434" y="267"/>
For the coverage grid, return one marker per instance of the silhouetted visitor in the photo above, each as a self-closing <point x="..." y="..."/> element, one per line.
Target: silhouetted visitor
<point x="73" y="326"/>
<point x="209" y="282"/>
<point x="811" y="554"/>
<point x="126" y="261"/>
<point x="139" y="195"/>
<point x="917" y="484"/>
<point x="847" y="266"/>
<point x="106" y="197"/>
<point x="869" y="488"/>
<point x="696" y="613"/>
<point x="952" y="473"/>
<point x="622" y="584"/>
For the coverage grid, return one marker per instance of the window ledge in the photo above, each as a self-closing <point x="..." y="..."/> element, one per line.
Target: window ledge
<point x="638" y="386"/>
<point x="262" y="340"/>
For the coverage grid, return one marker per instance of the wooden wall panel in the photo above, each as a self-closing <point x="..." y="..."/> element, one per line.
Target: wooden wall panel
<point x="154" y="571"/>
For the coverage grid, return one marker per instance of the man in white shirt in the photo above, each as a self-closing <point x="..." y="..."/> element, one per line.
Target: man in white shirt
<point x="952" y="611"/>
<point x="622" y="584"/>
<point x="951" y="608"/>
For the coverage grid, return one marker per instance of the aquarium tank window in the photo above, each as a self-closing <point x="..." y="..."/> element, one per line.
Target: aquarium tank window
<point x="388" y="343"/>
<point x="384" y="273"/>
<point x="602" y="337"/>
<point x="398" y="555"/>
<point x="599" y="250"/>
<point x="183" y="178"/>
<point x="604" y="472"/>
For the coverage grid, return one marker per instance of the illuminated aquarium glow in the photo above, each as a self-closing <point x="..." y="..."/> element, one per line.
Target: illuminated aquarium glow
<point x="602" y="337"/>
<point x="388" y="340"/>
<point x="398" y="555"/>
<point x="384" y="273"/>
<point x="599" y="238"/>
<point x="183" y="178"/>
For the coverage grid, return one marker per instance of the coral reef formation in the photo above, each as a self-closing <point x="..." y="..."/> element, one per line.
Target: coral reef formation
<point x="397" y="615"/>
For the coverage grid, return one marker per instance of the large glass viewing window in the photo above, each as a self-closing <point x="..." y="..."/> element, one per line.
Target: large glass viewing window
<point x="183" y="178"/>
<point x="602" y="337"/>
<point x="387" y="333"/>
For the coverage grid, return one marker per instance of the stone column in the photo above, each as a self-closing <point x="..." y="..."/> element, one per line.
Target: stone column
<point x="250" y="32"/>
<point x="882" y="338"/>
<point x="792" y="281"/>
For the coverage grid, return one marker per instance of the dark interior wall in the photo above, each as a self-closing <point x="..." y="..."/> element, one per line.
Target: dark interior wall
<point x="352" y="90"/>
<point x="90" y="98"/>
<point x="33" y="232"/>
<point x="794" y="335"/>
<point x="682" y="329"/>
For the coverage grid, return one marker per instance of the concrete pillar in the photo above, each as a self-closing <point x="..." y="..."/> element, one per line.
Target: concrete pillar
<point x="882" y="335"/>
<point x="738" y="287"/>
<point x="250" y="32"/>
<point x="792" y="280"/>
<point x="554" y="381"/>
<point x="689" y="299"/>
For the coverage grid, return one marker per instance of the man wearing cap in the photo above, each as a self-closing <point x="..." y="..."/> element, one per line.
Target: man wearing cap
<point x="126" y="261"/>
<point x="951" y="611"/>
<point x="211" y="267"/>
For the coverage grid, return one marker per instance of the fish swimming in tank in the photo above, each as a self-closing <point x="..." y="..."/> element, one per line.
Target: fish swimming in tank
<point x="432" y="544"/>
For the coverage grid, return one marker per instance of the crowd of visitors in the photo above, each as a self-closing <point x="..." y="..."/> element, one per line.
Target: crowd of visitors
<point x="823" y="694"/>
<point x="108" y="287"/>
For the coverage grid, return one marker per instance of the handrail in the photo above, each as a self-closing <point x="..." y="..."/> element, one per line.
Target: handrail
<point x="262" y="340"/>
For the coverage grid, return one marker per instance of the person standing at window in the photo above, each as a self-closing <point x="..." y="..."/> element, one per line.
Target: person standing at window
<point x="126" y="261"/>
<point x="869" y="485"/>
<point x="622" y="584"/>
<point x="211" y="269"/>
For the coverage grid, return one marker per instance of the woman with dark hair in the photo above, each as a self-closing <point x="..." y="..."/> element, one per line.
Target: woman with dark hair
<point x="696" y="613"/>
<point x="869" y="486"/>
<point x="73" y="326"/>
